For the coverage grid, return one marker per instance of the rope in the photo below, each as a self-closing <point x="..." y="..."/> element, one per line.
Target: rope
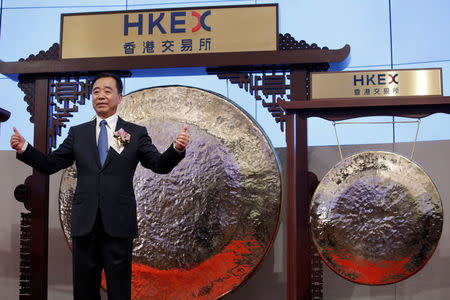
<point x="391" y="122"/>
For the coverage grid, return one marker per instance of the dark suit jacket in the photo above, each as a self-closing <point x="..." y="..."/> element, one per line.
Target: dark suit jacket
<point x="110" y="186"/>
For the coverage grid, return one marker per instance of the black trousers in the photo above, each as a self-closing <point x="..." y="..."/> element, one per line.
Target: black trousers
<point x="96" y="251"/>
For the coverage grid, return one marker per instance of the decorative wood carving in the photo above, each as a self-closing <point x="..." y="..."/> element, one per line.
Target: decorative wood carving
<point x="27" y="86"/>
<point x="51" y="53"/>
<point x="65" y="95"/>
<point x="25" y="255"/>
<point x="316" y="275"/>
<point x="269" y="86"/>
<point x="316" y="260"/>
<point x="274" y="82"/>
<point x="287" y="42"/>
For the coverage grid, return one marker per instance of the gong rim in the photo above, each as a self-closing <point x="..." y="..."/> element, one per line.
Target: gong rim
<point x="352" y="263"/>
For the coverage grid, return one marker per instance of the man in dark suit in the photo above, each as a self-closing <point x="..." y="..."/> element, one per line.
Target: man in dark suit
<point x="103" y="220"/>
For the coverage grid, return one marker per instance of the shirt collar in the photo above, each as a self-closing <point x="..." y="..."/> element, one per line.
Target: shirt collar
<point x="110" y="120"/>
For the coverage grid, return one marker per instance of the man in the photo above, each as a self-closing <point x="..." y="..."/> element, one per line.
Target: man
<point x="103" y="220"/>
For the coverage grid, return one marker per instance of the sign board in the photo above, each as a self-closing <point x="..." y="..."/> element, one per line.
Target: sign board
<point x="376" y="83"/>
<point x="170" y="31"/>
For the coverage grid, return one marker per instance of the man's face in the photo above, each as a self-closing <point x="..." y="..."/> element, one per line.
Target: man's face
<point x="105" y="97"/>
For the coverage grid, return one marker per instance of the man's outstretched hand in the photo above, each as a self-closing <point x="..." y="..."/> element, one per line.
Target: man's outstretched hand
<point x="17" y="141"/>
<point x="182" y="139"/>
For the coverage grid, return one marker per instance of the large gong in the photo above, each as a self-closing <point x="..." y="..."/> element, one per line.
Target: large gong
<point x="376" y="218"/>
<point x="206" y="226"/>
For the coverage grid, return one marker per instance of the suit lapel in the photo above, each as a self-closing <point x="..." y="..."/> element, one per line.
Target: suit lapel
<point x="93" y="142"/>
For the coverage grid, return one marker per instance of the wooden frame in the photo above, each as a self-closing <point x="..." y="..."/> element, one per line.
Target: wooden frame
<point x="298" y="266"/>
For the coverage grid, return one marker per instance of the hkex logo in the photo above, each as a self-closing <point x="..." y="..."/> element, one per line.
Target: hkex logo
<point x="177" y="22"/>
<point x="375" y="79"/>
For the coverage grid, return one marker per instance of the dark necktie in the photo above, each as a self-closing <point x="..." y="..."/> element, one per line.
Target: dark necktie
<point x="102" y="142"/>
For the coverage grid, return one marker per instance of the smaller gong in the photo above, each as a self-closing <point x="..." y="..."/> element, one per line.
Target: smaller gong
<point x="376" y="218"/>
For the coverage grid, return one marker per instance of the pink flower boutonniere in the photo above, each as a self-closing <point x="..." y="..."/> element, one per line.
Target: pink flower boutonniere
<point x="122" y="137"/>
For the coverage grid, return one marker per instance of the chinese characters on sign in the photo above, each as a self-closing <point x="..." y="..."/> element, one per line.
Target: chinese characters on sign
<point x="167" y="46"/>
<point x="376" y="91"/>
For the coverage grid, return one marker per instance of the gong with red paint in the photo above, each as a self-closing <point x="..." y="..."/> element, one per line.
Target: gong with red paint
<point x="376" y="218"/>
<point x="205" y="227"/>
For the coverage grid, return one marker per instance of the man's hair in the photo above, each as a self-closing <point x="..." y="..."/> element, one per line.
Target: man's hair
<point x="106" y="74"/>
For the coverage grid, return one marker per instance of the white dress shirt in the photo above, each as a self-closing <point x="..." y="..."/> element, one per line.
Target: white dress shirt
<point x="110" y="128"/>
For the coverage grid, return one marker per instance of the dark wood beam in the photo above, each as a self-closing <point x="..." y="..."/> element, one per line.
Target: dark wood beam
<point x="299" y="284"/>
<point x="340" y="109"/>
<point x="258" y="58"/>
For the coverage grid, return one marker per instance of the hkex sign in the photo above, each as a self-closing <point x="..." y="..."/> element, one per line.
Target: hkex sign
<point x="376" y="83"/>
<point x="198" y="30"/>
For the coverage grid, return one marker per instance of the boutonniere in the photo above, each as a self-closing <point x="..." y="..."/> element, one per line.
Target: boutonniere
<point x="122" y="137"/>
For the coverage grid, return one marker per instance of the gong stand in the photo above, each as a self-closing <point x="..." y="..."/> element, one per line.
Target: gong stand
<point x="297" y="113"/>
<point x="4" y="115"/>
<point x="54" y="88"/>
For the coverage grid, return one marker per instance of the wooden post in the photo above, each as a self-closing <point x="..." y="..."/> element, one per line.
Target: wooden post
<point x="298" y="234"/>
<point x="40" y="194"/>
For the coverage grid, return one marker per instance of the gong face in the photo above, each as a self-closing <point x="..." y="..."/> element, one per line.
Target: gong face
<point x="376" y="218"/>
<point x="206" y="226"/>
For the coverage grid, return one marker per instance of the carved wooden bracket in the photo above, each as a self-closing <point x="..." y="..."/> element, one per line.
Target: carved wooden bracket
<point x="65" y="95"/>
<point x="273" y="81"/>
